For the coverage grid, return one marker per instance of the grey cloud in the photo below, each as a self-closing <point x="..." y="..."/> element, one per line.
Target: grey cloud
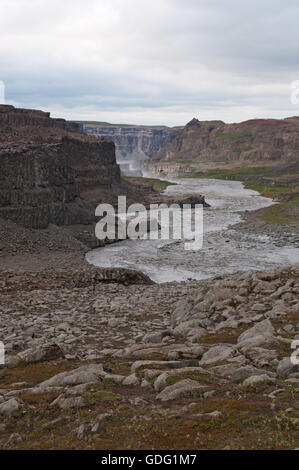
<point x="100" y="57"/>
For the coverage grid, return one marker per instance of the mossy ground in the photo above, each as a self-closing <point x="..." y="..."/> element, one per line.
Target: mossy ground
<point x="248" y="419"/>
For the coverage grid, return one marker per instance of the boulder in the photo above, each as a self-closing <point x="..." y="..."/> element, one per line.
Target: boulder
<point x="161" y="380"/>
<point x="155" y="338"/>
<point x="285" y="368"/>
<point x="68" y="403"/>
<point x="184" y="388"/>
<point x="131" y="380"/>
<point x="260" y="357"/>
<point x="182" y="313"/>
<point x="257" y="379"/>
<point x="259" y="335"/>
<point x="85" y="374"/>
<point x="247" y="371"/>
<point x="9" y="407"/>
<point x="216" y="354"/>
<point x="46" y="352"/>
<point x="262" y="328"/>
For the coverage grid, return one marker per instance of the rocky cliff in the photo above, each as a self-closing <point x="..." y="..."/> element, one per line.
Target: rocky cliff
<point x="50" y="173"/>
<point x="133" y="144"/>
<point x="214" y="143"/>
<point x="15" y="121"/>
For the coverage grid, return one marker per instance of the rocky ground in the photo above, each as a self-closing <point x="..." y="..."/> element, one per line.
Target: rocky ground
<point x="281" y="234"/>
<point x="99" y="359"/>
<point x="107" y="359"/>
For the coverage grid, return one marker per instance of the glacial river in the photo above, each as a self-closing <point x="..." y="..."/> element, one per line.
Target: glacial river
<point x="225" y="249"/>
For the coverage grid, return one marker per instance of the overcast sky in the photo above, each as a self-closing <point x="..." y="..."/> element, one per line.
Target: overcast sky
<point x="151" y="61"/>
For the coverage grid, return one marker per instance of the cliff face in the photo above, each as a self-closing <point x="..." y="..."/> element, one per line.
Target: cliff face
<point x="254" y="142"/>
<point x="133" y="144"/>
<point x="50" y="173"/>
<point x="15" y="121"/>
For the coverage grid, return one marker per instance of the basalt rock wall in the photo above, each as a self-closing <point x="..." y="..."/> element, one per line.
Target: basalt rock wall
<point x="50" y="173"/>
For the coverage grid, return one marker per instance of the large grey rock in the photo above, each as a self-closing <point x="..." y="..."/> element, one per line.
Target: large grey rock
<point x="259" y="335"/>
<point x="46" y="352"/>
<point x="186" y="328"/>
<point x="216" y="354"/>
<point x="9" y="407"/>
<point x="260" y="357"/>
<point x="258" y="341"/>
<point x="67" y="403"/>
<point x="257" y="379"/>
<point x="161" y="381"/>
<point x="33" y="391"/>
<point x="182" y="313"/>
<point x="247" y="371"/>
<point x="131" y="380"/>
<point x="184" y="388"/>
<point x="285" y="368"/>
<point x="225" y="370"/>
<point x="229" y="323"/>
<point x="76" y="390"/>
<point x="263" y="328"/>
<point x="155" y="338"/>
<point x="91" y="373"/>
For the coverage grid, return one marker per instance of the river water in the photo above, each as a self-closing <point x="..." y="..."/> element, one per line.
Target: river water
<point x="225" y="249"/>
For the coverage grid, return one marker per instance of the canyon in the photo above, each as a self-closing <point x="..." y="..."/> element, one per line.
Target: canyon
<point x="200" y="146"/>
<point x="134" y="145"/>
<point x="53" y="175"/>
<point x="114" y="358"/>
<point x="52" y="178"/>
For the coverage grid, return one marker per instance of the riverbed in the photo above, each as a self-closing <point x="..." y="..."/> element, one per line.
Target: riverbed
<point x="225" y="249"/>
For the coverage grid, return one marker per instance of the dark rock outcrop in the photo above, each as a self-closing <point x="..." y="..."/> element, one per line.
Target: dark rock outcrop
<point x="15" y="121"/>
<point x="50" y="173"/>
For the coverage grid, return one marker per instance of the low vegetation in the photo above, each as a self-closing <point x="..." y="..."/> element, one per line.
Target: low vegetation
<point x="267" y="181"/>
<point x="236" y="136"/>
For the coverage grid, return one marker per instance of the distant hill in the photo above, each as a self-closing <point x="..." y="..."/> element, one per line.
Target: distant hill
<point x="255" y="141"/>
